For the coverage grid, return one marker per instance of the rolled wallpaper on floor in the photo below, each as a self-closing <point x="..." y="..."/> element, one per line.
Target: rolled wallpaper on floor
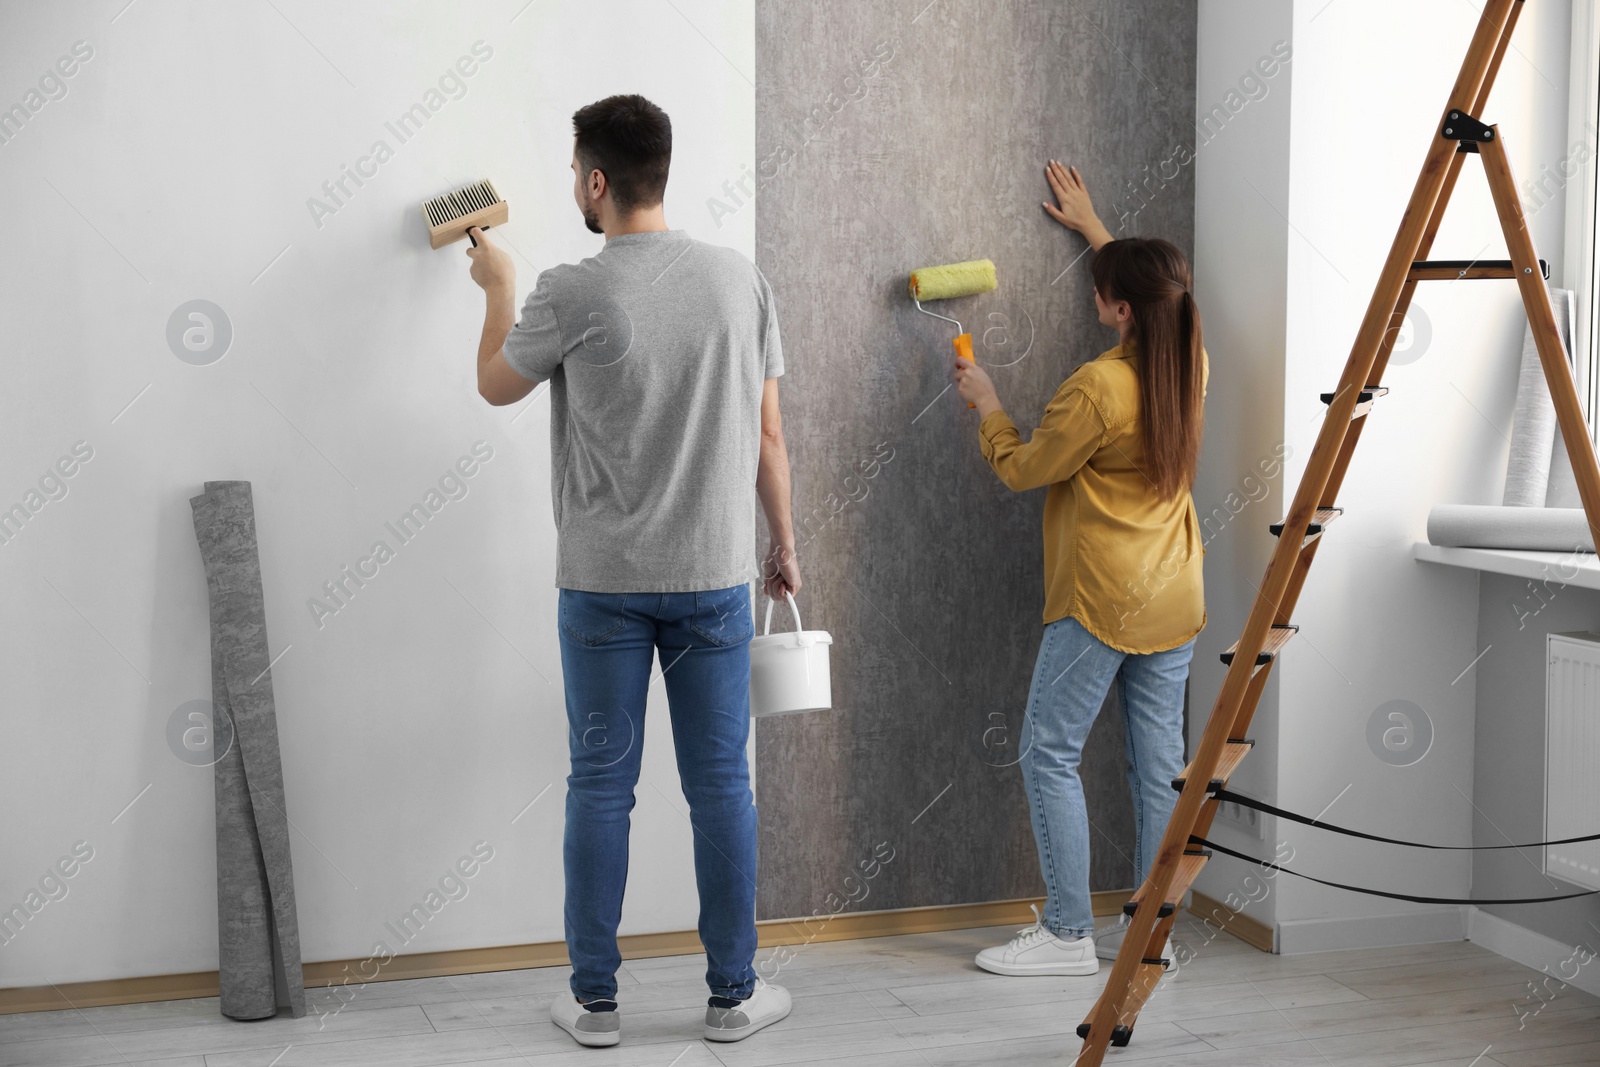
<point x="258" y="938"/>
<point x="1535" y="437"/>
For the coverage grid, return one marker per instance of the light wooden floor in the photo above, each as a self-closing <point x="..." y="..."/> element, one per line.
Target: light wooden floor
<point x="892" y="1002"/>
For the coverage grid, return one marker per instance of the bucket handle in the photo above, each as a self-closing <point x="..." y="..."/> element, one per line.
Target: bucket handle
<point x="793" y="610"/>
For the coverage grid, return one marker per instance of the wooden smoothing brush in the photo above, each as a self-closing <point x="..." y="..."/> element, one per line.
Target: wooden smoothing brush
<point x="449" y="216"/>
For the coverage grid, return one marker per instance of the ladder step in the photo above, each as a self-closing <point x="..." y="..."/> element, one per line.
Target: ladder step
<point x="1140" y="990"/>
<point x="1232" y="755"/>
<point x="1277" y="637"/>
<point x="1433" y="270"/>
<point x="1363" y="402"/>
<point x="1319" y="522"/>
<point x="1189" y="866"/>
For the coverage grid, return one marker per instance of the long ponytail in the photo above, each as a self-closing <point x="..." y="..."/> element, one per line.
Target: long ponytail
<point x="1154" y="278"/>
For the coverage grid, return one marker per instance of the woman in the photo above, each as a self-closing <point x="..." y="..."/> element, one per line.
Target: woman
<point x="1117" y="447"/>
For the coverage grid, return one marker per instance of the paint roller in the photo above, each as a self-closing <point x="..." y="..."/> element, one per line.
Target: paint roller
<point x="952" y="280"/>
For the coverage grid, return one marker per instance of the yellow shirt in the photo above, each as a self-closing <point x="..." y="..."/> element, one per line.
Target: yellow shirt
<point x="1124" y="563"/>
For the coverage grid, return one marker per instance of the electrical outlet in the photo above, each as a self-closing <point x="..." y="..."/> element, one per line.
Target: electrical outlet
<point x="1245" y="820"/>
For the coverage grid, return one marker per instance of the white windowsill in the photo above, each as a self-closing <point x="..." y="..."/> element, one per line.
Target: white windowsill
<point x="1557" y="567"/>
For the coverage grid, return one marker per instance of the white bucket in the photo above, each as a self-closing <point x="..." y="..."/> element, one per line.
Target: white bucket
<point x="789" y="671"/>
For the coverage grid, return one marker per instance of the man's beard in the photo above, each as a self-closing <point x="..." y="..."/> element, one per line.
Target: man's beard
<point x="592" y="220"/>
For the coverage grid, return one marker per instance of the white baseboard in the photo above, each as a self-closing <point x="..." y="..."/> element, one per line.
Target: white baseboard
<point x="1531" y="949"/>
<point x="1373" y="931"/>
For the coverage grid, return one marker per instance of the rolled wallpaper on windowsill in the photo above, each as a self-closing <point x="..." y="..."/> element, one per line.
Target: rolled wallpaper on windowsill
<point x="1526" y="529"/>
<point x="1540" y="509"/>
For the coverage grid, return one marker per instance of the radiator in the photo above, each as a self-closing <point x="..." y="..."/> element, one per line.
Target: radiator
<point x="1572" y="755"/>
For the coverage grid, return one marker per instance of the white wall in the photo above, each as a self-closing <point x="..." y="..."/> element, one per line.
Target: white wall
<point x="1376" y="626"/>
<point x="427" y="713"/>
<point x="1241" y="250"/>
<point x="1369" y="82"/>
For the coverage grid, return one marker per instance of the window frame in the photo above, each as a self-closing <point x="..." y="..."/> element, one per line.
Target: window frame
<point x="1582" y="242"/>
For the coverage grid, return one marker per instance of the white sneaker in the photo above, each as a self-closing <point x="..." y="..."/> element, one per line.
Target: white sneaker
<point x="768" y="1004"/>
<point x="586" y="1027"/>
<point x="1108" y="942"/>
<point x="1037" y="951"/>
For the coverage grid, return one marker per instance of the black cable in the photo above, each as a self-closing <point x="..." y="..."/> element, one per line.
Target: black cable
<point x="1262" y="806"/>
<point x="1197" y="839"/>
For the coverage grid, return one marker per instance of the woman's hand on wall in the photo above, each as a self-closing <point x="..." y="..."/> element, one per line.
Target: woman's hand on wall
<point x="1073" y="208"/>
<point x="975" y="387"/>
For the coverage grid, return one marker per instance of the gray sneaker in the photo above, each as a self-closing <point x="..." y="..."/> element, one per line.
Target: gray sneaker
<point x="586" y="1027"/>
<point x="768" y="1004"/>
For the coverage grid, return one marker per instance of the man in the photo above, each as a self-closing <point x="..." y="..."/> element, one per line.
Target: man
<point x="663" y="356"/>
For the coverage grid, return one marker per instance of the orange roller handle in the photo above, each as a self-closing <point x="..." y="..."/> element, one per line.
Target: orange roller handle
<point x="963" y="345"/>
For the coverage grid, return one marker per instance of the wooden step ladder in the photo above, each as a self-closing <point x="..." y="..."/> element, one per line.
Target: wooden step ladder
<point x="1460" y="133"/>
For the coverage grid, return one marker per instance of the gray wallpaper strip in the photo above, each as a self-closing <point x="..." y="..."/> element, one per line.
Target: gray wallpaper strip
<point x="891" y="136"/>
<point x="258" y="939"/>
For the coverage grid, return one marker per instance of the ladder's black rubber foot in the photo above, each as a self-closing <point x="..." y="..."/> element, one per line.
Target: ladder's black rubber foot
<point x="1161" y="960"/>
<point x="1121" y="1035"/>
<point x="1083" y="1031"/>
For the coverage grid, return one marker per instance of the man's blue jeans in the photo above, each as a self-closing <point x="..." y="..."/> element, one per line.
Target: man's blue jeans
<point x="608" y="644"/>
<point x="1071" y="677"/>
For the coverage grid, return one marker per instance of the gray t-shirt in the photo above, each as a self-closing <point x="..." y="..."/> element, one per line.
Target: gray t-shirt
<point x="656" y="350"/>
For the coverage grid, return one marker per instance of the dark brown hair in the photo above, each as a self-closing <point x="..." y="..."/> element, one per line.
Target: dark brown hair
<point x="1154" y="279"/>
<point x="629" y="140"/>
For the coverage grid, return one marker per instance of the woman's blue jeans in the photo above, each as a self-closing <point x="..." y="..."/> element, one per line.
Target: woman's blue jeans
<point x="608" y="645"/>
<point x="1073" y="673"/>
